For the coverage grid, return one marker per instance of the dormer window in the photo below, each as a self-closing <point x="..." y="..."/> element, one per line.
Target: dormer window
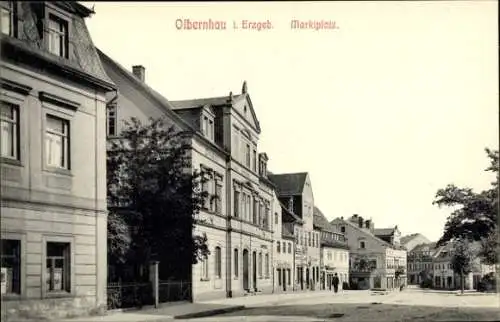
<point x="58" y="36"/>
<point x="7" y="17"/>
<point x="207" y="127"/>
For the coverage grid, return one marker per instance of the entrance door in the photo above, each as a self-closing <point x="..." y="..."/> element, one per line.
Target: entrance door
<point x="254" y="270"/>
<point x="245" y="270"/>
<point x="284" y="279"/>
<point x="307" y="278"/>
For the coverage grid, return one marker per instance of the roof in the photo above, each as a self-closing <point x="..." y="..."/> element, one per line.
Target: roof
<point x="289" y="183"/>
<point x="383" y="231"/>
<point x="199" y="102"/>
<point x="407" y="238"/>
<point x="368" y="233"/>
<point x="320" y="221"/>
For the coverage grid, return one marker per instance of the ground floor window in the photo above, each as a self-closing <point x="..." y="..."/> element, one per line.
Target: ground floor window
<point x="289" y="271"/>
<point x="58" y="267"/>
<point x="278" y="270"/>
<point x="11" y="266"/>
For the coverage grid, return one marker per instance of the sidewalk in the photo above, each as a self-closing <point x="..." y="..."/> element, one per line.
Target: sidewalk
<point x="166" y="313"/>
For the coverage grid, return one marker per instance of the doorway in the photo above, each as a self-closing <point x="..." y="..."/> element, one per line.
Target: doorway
<point x="245" y="270"/>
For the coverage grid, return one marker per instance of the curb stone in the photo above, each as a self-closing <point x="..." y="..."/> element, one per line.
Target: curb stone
<point x="208" y="313"/>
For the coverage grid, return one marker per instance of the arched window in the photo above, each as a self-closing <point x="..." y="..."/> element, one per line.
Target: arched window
<point x="218" y="262"/>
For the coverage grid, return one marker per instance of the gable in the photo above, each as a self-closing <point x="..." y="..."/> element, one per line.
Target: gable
<point x="244" y="108"/>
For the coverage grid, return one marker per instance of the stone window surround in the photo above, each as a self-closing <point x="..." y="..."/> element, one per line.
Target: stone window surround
<point x="244" y="189"/>
<point x="214" y="177"/>
<point x="53" y="10"/>
<point x="16" y="94"/>
<point x="22" y="275"/>
<point x="205" y="112"/>
<point x="46" y="238"/>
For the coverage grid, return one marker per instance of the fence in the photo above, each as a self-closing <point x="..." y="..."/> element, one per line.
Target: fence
<point x="127" y="295"/>
<point x="170" y="291"/>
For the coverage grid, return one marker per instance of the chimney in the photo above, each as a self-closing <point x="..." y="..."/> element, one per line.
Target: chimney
<point x="360" y="222"/>
<point x="140" y="72"/>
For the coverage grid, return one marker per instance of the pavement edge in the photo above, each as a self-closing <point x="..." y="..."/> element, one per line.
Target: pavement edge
<point x="208" y="313"/>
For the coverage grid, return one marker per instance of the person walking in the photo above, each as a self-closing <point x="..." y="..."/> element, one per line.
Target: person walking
<point x="335" y="283"/>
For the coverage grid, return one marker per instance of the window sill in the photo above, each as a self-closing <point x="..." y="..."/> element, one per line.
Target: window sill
<point x="11" y="297"/>
<point x="11" y="161"/>
<point x="204" y="279"/>
<point x="61" y="171"/>
<point x="57" y="294"/>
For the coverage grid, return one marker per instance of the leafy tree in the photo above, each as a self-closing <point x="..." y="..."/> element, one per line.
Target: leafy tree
<point x="119" y="239"/>
<point x="476" y="214"/>
<point x="153" y="188"/>
<point x="462" y="259"/>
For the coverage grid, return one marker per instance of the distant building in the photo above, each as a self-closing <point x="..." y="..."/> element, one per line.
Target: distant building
<point x="53" y="162"/>
<point x="295" y="193"/>
<point x="420" y="263"/>
<point x="334" y="252"/>
<point x="411" y="241"/>
<point x="374" y="262"/>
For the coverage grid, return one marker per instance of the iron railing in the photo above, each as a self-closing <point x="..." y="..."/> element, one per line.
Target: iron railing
<point x="170" y="291"/>
<point x="127" y="295"/>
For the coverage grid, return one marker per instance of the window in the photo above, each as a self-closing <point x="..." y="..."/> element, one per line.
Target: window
<point x="204" y="125"/>
<point x="255" y="211"/>
<point x="275" y="218"/>
<point x="247" y="155"/>
<point x="10" y="130"/>
<point x="211" y="129"/>
<point x="260" y="265"/>
<point x="278" y="270"/>
<point x="278" y="247"/>
<point x="236" y="265"/>
<point x="218" y="262"/>
<point x="111" y="121"/>
<point x="58" y="36"/>
<point x="204" y="269"/>
<point x="342" y="229"/>
<point x="58" y="267"/>
<point x="267" y="265"/>
<point x="236" y="203"/>
<point x="289" y="248"/>
<point x="218" y="196"/>
<point x="205" y="179"/>
<point x="254" y="160"/>
<point x="57" y="142"/>
<point x="362" y="244"/>
<point x="289" y="276"/>
<point x="11" y="266"/>
<point x="7" y="17"/>
<point x="309" y="238"/>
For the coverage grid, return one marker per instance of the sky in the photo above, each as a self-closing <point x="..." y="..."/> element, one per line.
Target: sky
<point x="399" y="100"/>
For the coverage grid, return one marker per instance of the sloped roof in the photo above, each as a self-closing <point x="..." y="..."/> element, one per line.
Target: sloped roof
<point x="368" y="233"/>
<point x="320" y="221"/>
<point x="383" y="231"/>
<point x="407" y="238"/>
<point x="213" y="101"/>
<point x="289" y="183"/>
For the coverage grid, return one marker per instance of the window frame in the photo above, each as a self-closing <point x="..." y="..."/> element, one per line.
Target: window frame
<point x="16" y="131"/>
<point x="236" y="263"/>
<point x="11" y="8"/>
<point x="205" y="267"/>
<point x="66" y="143"/>
<point x="22" y="262"/>
<point x="112" y="109"/>
<point x="63" y="23"/>
<point x="218" y="262"/>
<point x="71" y="266"/>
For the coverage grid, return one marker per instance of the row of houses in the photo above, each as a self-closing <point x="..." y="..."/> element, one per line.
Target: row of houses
<point x="431" y="266"/>
<point x="62" y="99"/>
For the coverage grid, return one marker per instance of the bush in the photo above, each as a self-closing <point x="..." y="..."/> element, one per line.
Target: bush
<point x="487" y="283"/>
<point x="426" y="283"/>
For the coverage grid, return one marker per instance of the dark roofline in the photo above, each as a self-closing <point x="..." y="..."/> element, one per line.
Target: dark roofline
<point x="161" y="101"/>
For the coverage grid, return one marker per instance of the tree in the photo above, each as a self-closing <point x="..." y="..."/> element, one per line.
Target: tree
<point x="155" y="191"/>
<point x="476" y="214"/>
<point x="119" y="239"/>
<point x="462" y="259"/>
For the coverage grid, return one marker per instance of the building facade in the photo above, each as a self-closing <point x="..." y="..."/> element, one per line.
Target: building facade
<point x="420" y="266"/>
<point x="236" y="216"/>
<point x="373" y="262"/>
<point x="334" y="253"/>
<point x="295" y="193"/>
<point x="53" y="162"/>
